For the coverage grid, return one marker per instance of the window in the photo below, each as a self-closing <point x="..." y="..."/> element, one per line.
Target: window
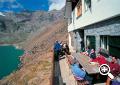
<point x="114" y="46"/>
<point x="91" y="42"/>
<point x="87" y="5"/>
<point x="104" y="42"/>
<point x="79" y="8"/>
<point x="111" y="43"/>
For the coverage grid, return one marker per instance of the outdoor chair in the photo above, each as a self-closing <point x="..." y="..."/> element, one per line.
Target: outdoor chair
<point x="80" y="81"/>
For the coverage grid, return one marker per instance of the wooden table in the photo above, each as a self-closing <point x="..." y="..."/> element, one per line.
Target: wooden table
<point x="84" y="61"/>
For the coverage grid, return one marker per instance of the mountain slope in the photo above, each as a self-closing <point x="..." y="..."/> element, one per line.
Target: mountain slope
<point x="36" y="66"/>
<point x="16" y="27"/>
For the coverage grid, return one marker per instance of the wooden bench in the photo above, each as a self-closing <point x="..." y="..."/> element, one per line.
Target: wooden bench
<point x="81" y="81"/>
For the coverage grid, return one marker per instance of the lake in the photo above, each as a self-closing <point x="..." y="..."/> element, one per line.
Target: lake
<point x="9" y="59"/>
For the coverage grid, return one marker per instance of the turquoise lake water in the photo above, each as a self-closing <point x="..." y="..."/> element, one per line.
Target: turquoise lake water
<point x="9" y="59"/>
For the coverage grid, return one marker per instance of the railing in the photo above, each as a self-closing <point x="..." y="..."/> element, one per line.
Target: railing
<point x="56" y="78"/>
<point x="53" y="71"/>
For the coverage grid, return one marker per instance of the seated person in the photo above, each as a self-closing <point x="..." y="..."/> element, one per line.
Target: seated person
<point x="114" y="67"/>
<point x="87" y="52"/>
<point x="79" y="72"/>
<point x="104" y="52"/>
<point x="115" y="71"/>
<point x="99" y="59"/>
<point x="109" y="59"/>
<point x="92" y="54"/>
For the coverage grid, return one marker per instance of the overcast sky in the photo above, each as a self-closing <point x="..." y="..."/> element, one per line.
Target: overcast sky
<point x="18" y="5"/>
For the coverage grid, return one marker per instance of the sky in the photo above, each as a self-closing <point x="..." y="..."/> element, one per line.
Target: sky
<point x="31" y="5"/>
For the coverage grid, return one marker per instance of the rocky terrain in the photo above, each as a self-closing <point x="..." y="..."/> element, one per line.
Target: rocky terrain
<point x="37" y="31"/>
<point x="15" y="27"/>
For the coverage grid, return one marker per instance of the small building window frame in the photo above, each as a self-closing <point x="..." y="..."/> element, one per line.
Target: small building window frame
<point x="87" y="5"/>
<point x="114" y="46"/>
<point x="79" y="9"/>
<point x="104" y="42"/>
<point x="91" y="41"/>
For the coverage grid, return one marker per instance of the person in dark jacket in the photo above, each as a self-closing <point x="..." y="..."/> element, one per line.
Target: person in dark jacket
<point x="92" y="54"/>
<point x="57" y="48"/>
<point x="66" y="48"/>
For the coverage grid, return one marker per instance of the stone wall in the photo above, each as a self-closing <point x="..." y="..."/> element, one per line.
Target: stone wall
<point x="108" y="27"/>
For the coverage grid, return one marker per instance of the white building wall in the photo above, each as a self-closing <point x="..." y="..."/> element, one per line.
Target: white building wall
<point x="70" y="44"/>
<point x="100" y="10"/>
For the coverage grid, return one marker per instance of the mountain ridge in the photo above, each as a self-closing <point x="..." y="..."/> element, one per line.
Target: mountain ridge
<point x="20" y="25"/>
